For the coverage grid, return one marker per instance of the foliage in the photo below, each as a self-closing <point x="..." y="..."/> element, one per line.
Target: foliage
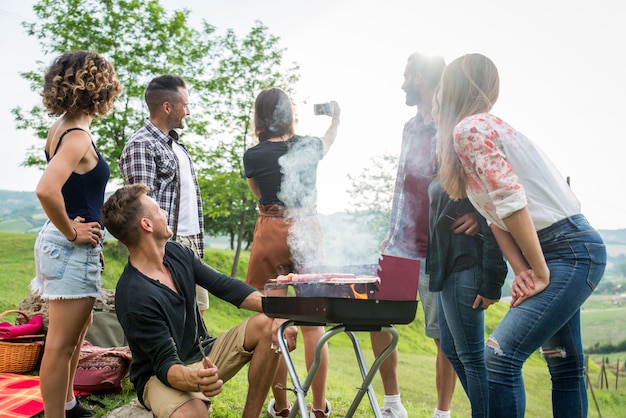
<point x="371" y="193"/>
<point x="620" y="268"/>
<point x="224" y="73"/>
<point x="607" y="348"/>
<point x="148" y="41"/>
<point x="373" y="187"/>
<point x="246" y="66"/>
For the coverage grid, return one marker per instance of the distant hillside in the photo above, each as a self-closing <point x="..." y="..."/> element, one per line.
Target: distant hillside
<point x="21" y="212"/>
<point x="614" y="236"/>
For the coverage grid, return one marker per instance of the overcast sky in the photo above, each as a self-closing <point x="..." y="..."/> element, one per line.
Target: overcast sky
<point x="561" y="67"/>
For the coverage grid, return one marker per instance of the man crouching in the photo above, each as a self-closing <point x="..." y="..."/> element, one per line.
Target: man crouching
<point x="155" y="302"/>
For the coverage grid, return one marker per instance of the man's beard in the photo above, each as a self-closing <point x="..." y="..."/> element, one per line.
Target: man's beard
<point x="413" y="97"/>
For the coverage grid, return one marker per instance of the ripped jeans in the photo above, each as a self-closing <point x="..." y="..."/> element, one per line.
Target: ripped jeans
<point x="576" y="257"/>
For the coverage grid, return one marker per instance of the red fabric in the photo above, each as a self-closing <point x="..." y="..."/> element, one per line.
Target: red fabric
<point x="19" y="396"/>
<point x="101" y="370"/>
<point x="33" y="326"/>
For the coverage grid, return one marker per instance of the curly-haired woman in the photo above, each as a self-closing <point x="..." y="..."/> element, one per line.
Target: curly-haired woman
<point x="78" y="88"/>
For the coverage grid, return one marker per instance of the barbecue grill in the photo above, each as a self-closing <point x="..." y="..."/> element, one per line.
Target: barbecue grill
<point x="348" y="306"/>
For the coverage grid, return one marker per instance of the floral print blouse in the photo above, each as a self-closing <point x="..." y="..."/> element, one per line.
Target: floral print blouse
<point x="507" y="172"/>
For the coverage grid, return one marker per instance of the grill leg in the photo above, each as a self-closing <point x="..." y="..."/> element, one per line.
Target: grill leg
<point x="301" y="390"/>
<point x="368" y="376"/>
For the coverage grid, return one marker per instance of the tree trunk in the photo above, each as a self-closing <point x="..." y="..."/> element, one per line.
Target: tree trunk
<point x="242" y="224"/>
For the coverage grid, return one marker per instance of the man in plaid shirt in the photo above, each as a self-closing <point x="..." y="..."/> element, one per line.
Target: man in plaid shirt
<point x="154" y="156"/>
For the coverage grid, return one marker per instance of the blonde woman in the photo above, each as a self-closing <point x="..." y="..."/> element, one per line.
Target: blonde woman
<point x="78" y="88"/>
<point x="557" y="257"/>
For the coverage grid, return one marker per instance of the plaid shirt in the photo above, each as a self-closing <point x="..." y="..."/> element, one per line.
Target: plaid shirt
<point x="148" y="158"/>
<point x="416" y="167"/>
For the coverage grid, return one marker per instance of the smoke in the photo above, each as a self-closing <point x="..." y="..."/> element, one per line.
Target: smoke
<point x="352" y="238"/>
<point x="298" y="191"/>
<point x="346" y="240"/>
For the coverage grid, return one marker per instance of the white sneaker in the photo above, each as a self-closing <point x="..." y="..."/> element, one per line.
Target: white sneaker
<point x="394" y="412"/>
<point x="318" y="413"/>
<point x="274" y="413"/>
<point x="441" y="414"/>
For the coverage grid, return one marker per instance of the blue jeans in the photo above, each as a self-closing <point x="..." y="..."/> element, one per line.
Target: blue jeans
<point x="576" y="257"/>
<point x="462" y="331"/>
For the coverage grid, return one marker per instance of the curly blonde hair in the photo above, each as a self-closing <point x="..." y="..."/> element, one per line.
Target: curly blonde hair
<point x="80" y="81"/>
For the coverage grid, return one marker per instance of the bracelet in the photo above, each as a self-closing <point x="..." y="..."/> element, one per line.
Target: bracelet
<point x="75" y="236"/>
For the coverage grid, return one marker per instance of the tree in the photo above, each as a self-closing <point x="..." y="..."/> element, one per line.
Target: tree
<point x="140" y="38"/>
<point x="371" y="193"/>
<point x="143" y="40"/>
<point x="246" y="66"/>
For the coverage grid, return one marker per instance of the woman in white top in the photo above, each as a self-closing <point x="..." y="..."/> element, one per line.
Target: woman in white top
<point x="557" y="257"/>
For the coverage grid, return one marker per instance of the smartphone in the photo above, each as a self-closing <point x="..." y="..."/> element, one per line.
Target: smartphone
<point x="323" y="109"/>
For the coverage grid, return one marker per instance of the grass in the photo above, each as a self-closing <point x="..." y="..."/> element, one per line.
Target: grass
<point x="603" y="320"/>
<point x="417" y="360"/>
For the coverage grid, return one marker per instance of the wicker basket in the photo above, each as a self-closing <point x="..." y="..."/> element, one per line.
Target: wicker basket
<point x="21" y="354"/>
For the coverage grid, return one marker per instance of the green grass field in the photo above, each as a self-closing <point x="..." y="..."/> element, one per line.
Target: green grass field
<point x="416" y="369"/>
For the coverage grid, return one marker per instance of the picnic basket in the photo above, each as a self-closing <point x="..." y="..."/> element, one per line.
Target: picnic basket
<point x="20" y="354"/>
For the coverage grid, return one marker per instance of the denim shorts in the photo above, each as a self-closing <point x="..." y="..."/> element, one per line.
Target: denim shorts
<point x="65" y="270"/>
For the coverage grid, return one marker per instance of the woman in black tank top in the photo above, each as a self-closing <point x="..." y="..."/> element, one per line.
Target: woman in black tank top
<point x="78" y="87"/>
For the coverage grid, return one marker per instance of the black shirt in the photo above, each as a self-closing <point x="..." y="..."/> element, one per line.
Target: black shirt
<point x="285" y="172"/>
<point x="163" y="327"/>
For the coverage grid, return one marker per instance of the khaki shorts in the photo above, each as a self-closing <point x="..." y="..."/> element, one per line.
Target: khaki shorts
<point x="227" y="354"/>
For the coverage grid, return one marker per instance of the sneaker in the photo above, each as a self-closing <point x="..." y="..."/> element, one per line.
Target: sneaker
<point x="397" y="411"/>
<point x="79" y="411"/>
<point x="441" y="414"/>
<point x="272" y="410"/>
<point x="318" y="413"/>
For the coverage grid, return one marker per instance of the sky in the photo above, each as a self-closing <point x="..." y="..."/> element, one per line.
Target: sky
<point x="561" y="69"/>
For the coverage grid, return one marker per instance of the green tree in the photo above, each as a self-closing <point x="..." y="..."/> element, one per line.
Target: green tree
<point x="141" y="38"/>
<point x="224" y="73"/>
<point x="371" y="193"/>
<point x="246" y="66"/>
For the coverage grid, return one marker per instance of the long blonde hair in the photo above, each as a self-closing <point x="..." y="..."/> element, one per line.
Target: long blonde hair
<point x="469" y="85"/>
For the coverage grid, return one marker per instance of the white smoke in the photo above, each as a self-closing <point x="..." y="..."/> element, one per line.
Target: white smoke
<point x="347" y="239"/>
<point x="351" y="239"/>
<point x="298" y="191"/>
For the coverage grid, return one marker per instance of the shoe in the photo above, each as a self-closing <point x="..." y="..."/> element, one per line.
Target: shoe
<point x="79" y="411"/>
<point x="441" y="414"/>
<point x="393" y="412"/>
<point x="318" y="413"/>
<point x="272" y="410"/>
